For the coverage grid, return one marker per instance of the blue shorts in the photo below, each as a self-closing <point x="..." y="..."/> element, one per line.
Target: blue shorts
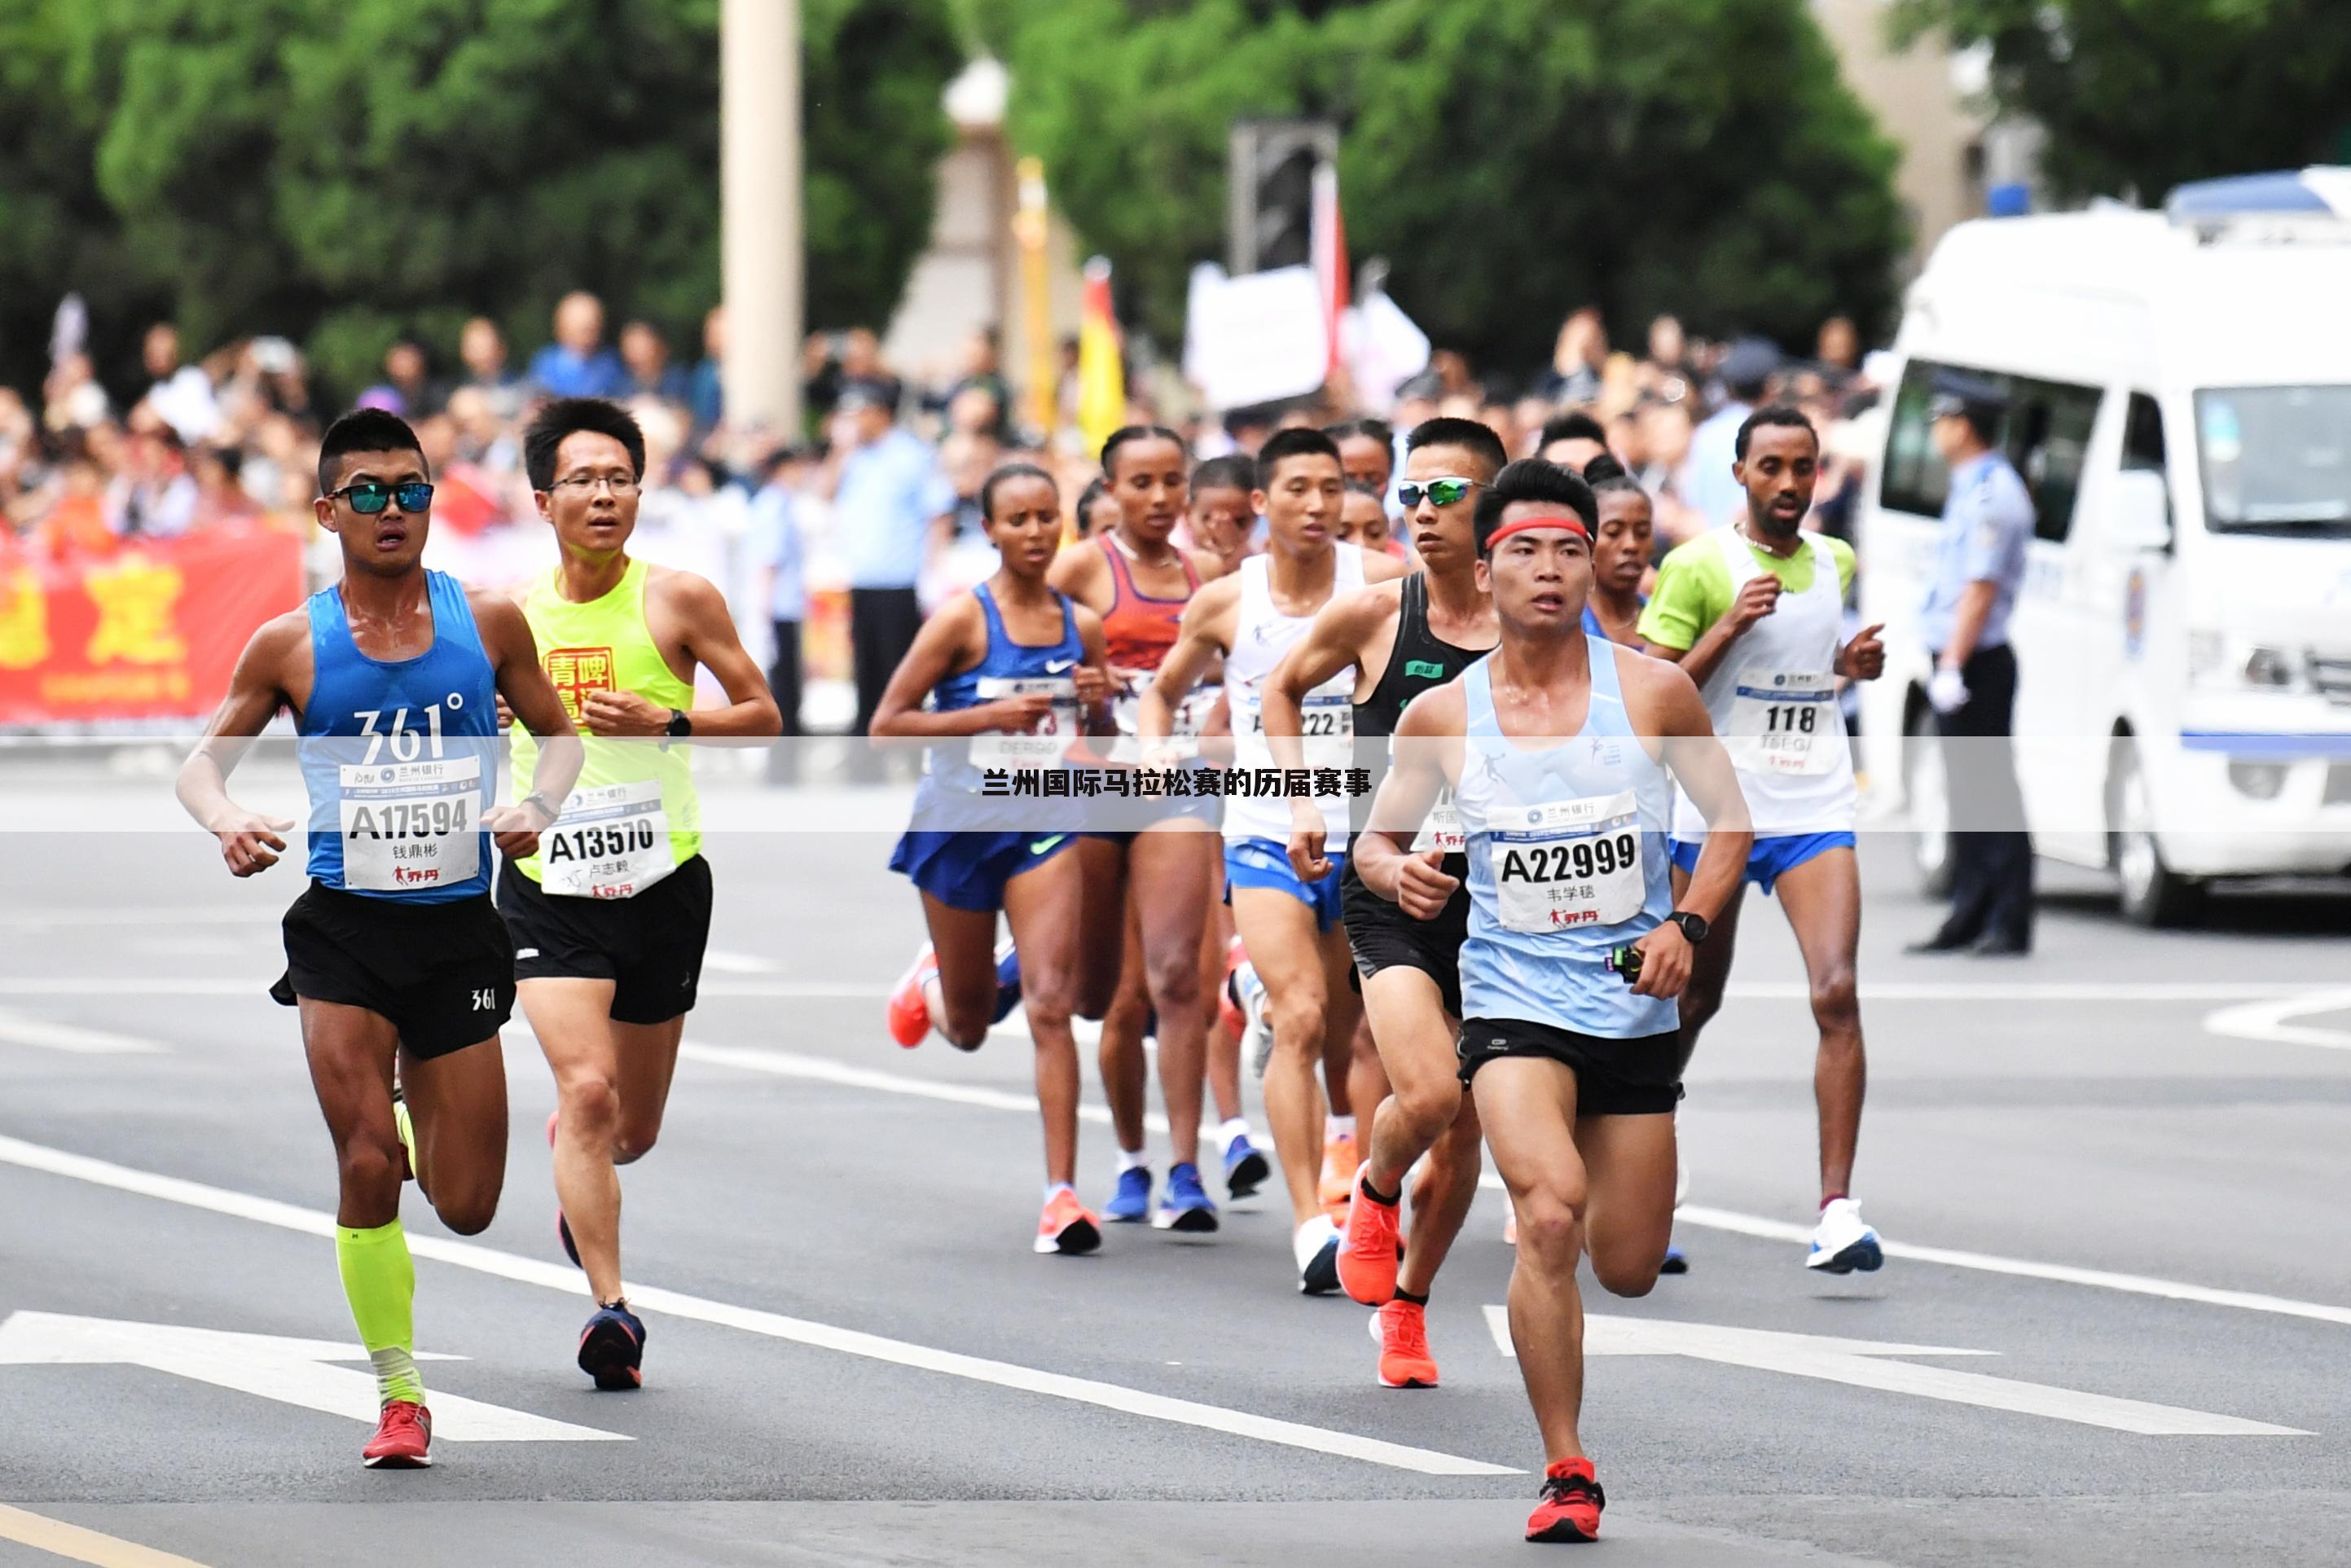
<point x="1264" y="862"/>
<point x="1772" y="859"/>
<point x="969" y="870"/>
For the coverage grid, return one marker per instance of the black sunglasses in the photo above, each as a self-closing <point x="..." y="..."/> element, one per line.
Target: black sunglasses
<point x="368" y="495"/>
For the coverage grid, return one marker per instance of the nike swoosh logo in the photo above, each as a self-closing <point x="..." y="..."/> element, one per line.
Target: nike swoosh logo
<point x="1055" y="666"/>
<point x="1041" y="845"/>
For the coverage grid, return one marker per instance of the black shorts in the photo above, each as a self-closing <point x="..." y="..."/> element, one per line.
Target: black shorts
<point x="1383" y="937"/>
<point x="1613" y="1077"/>
<point x="650" y="945"/>
<point x="443" y="973"/>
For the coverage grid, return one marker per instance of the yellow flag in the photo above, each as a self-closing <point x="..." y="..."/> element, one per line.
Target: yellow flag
<point x="1102" y="380"/>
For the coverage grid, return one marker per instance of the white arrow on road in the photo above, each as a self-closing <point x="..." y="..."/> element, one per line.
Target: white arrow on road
<point x="290" y="1371"/>
<point x="1860" y="1362"/>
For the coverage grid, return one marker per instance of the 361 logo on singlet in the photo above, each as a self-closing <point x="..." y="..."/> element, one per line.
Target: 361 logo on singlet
<point x="576" y="672"/>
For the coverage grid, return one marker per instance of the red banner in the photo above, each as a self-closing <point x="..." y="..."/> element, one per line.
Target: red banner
<point x="153" y="631"/>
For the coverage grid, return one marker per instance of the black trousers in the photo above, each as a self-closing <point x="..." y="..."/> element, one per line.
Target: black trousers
<point x="1991" y="853"/>
<point x="784" y="681"/>
<point x="881" y="626"/>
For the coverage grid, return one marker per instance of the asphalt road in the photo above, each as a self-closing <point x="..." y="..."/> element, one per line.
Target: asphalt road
<point x="2118" y="1167"/>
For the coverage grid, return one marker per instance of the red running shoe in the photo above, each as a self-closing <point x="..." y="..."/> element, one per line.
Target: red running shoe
<point x="1367" y="1256"/>
<point x="403" y="1434"/>
<point x="908" y="1014"/>
<point x="1571" y="1501"/>
<point x="1229" y="1009"/>
<point x="1402" y="1328"/>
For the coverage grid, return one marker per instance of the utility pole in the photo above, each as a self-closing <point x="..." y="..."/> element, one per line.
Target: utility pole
<point x="760" y="243"/>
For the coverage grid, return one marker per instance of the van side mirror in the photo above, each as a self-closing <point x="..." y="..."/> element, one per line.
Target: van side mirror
<point x="2138" y="511"/>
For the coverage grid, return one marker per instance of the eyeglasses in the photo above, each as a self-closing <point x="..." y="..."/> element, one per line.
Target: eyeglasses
<point x="621" y="483"/>
<point x="1442" y="492"/>
<point x="370" y="496"/>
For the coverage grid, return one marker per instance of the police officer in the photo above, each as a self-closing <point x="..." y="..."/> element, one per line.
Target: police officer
<point x="1978" y="567"/>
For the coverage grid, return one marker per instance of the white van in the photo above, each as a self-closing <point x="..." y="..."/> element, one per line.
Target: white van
<point x="2180" y="390"/>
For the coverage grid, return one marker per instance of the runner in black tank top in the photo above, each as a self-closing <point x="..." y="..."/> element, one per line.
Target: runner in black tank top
<point x="1408" y="969"/>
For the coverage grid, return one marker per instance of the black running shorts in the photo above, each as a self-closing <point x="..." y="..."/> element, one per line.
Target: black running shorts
<point x="1613" y="1077"/>
<point x="649" y="945"/>
<point x="1384" y="936"/>
<point x="443" y="973"/>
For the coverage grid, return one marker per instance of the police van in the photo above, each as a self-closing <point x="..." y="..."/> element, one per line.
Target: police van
<point x="2180" y="406"/>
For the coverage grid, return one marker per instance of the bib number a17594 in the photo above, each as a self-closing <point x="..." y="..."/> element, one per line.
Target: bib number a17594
<point x="611" y="841"/>
<point x="1568" y="864"/>
<point x="408" y="826"/>
<point x="1784" y="722"/>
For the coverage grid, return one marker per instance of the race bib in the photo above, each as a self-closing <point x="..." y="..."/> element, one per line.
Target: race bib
<point x="1042" y="746"/>
<point x="1569" y="863"/>
<point x="1784" y="723"/>
<point x="611" y="841"/>
<point x="1326" y="721"/>
<point x="1190" y="716"/>
<point x="1442" y="830"/>
<point x="411" y="825"/>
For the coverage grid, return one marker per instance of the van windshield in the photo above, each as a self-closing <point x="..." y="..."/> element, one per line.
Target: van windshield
<point x="2276" y="459"/>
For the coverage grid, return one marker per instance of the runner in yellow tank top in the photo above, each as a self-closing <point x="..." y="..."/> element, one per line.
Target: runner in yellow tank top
<point x="609" y="918"/>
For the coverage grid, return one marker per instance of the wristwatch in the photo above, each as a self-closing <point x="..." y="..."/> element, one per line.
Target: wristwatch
<point x="681" y="723"/>
<point x="537" y="803"/>
<point x="1693" y="926"/>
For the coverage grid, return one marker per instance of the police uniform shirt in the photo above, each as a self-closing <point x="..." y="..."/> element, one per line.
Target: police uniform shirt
<point x="1986" y="523"/>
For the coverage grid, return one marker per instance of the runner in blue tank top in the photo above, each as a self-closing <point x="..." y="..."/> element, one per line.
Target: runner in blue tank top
<point x="1558" y="747"/>
<point x="395" y="954"/>
<point x="1015" y="671"/>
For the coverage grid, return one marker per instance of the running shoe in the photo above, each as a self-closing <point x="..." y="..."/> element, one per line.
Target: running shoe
<point x="1339" y="1162"/>
<point x="612" y="1348"/>
<point x="1571" y="1501"/>
<point x="562" y="1226"/>
<point x="405" y="1125"/>
<point x="403" y="1436"/>
<point x="1367" y="1258"/>
<point x="1401" y="1331"/>
<point x="1066" y="1225"/>
<point x="1228" y="1003"/>
<point x="1316" y="1248"/>
<point x="1245" y="1169"/>
<point x="1509" y="1223"/>
<point x="1675" y="1263"/>
<point x="908" y="1014"/>
<point x="1186" y="1207"/>
<point x="1007" y="980"/>
<point x="1256" y="1025"/>
<point x="1131" y="1204"/>
<point x="1842" y="1243"/>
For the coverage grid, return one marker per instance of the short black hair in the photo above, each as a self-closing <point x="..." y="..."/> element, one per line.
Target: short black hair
<point x="1299" y="441"/>
<point x="568" y="416"/>
<point x="362" y="430"/>
<point x="1379" y="429"/>
<point x="1009" y="471"/>
<point x="1781" y="413"/>
<point x="1576" y="425"/>
<point x="1606" y="475"/>
<point x="1230" y="472"/>
<point x="1097" y="489"/>
<point x="1533" y="479"/>
<point x="1477" y="439"/>
<point x="1127" y="432"/>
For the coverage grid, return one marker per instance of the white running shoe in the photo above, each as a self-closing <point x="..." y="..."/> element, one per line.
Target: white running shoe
<point x="1257" y="1037"/>
<point x="1843" y="1243"/>
<point x="1316" y="1248"/>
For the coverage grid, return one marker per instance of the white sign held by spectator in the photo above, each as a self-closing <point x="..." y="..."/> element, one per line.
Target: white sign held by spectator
<point x="1255" y="338"/>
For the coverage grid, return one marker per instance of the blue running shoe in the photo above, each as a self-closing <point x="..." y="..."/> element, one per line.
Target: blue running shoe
<point x="1245" y="1168"/>
<point x="1131" y="1204"/>
<point x="1843" y="1243"/>
<point x="1187" y="1207"/>
<point x="1675" y="1263"/>
<point x="612" y="1348"/>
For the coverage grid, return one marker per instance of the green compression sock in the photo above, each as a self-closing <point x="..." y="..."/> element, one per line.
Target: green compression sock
<point x="380" y="1278"/>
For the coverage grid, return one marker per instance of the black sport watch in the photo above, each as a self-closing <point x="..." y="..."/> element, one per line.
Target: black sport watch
<point x="1693" y="926"/>
<point x="681" y="723"/>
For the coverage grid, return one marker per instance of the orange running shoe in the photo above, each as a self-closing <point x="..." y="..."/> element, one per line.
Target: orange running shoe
<point x="1068" y="1226"/>
<point x="1571" y="1501"/>
<point x="1367" y="1255"/>
<point x="909" y="1014"/>
<point x="1401" y="1331"/>
<point x="1339" y="1162"/>
<point x="404" y="1435"/>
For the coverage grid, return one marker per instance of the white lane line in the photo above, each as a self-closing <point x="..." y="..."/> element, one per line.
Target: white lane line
<point x="24" y="919"/>
<point x="789" y="1064"/>
<point x="719" y="961"/>
<point x="2268" y="1021"/>
<point x="16" y="1029"/>
<point x="75" y="1544"/>
<point x="773" y="1325"/>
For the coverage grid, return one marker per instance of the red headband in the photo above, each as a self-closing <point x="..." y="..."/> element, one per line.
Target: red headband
<point x="1545" y="520"/>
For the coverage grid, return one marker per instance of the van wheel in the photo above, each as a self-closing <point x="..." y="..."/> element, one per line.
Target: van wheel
<point x="1926" y="792"/>
<point x="2151" y="892"/>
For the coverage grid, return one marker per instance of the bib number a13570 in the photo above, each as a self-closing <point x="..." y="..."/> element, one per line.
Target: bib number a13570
<point x="1568" y="864"/>
<point x="611" y="841"/>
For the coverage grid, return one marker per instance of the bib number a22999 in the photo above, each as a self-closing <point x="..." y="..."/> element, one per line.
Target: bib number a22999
<point x="1568" y="864"/>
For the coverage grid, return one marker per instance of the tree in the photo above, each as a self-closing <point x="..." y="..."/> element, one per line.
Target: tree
<point x="2137" y="96"/>
<point x="1514" y="159"/>
<point x="343" y="169"/>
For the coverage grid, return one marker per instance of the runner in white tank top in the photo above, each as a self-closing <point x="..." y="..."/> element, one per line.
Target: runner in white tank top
<point x="1290" y="928"/>
<point x="1753" y="613"/>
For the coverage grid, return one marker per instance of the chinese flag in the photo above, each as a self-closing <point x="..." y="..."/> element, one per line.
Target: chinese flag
<point x="1102" y="380"/>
